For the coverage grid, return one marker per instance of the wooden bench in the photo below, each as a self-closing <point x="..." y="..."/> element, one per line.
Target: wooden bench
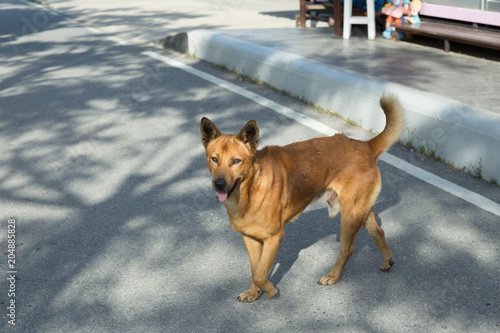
<point x="454" y="33"/>
<point x="332" y="9"/>
<point x="448" y="31"/>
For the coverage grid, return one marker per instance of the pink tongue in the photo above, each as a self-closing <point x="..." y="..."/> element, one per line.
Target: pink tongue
<point x="221" y="196"/>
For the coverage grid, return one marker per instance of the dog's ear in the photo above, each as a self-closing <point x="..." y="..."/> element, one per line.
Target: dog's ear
<point x="208" y="131"/>
<point x="249" y="134"/>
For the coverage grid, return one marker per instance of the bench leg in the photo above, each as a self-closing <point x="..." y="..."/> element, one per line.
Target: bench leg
<point x="446" y="46"/>
<point x="337" y="17"/>
<point x="302" y="13"/>
<point x="370" y="8"/>
<point x="347" y="18"/>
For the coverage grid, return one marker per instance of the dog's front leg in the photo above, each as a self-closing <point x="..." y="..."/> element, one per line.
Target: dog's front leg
<point x="269" y="251"/>
<point x="262" y="255"/>
<point x="254" y="248"/>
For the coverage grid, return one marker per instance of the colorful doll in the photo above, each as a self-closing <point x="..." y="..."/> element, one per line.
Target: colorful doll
<point x="415" y="7"/>
<point x="396" y="10"/>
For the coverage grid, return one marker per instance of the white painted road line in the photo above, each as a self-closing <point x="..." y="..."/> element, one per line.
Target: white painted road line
<point x="287" y="112"/>
<point x="445" y="185"/>
<point x="456" y="190"/>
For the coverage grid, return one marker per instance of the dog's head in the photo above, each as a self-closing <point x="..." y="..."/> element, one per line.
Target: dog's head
<point x="230" y="157"/>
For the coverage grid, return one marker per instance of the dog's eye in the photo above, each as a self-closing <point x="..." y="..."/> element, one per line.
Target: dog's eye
<point x="214" y="159"/>
<point x="236" y="161"/>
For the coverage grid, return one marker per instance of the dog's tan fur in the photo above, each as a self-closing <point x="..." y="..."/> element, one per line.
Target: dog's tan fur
<point x="263" y="190"/>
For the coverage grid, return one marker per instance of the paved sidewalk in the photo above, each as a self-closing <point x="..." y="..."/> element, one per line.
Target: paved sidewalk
<point x="141" y="22"/>
<point x="471" y="80"/>
<point x="452" y="101"/>
<point x="467" y="79"/>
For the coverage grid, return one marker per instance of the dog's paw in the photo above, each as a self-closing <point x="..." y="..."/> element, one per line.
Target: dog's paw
<point x="328" y="280"/>
<point x="387" y="267"/>
<point x="248" y="296"/>
<point x="272" y="293"/>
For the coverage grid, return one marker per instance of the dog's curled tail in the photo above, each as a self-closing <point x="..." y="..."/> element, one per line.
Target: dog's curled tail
<point x="394" y="126"/>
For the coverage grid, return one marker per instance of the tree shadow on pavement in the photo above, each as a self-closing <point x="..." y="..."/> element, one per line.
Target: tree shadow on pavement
<point x="118" y="228"/>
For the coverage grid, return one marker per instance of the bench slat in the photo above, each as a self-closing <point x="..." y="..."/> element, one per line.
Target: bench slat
<point x="473" y="36"/>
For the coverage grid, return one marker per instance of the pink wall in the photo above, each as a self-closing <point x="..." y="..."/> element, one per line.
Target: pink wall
<point x="461" y="14"/>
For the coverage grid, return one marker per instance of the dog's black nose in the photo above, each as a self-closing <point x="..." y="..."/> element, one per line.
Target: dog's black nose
<point x="220" y="184"/>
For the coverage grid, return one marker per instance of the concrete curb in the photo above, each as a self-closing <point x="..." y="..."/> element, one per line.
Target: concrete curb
<point x="460" y="134"/>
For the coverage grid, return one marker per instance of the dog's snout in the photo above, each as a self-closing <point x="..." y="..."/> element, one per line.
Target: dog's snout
<point x="220" y="184"/>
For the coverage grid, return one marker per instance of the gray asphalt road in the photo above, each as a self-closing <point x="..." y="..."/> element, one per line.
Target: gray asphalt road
<point x="103" y="174"/>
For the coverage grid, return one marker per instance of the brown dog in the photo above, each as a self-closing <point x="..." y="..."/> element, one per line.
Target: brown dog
<point x="263" y="190"/>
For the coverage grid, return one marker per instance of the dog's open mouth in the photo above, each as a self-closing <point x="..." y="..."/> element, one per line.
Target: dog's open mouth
<point x="223" y="196"/>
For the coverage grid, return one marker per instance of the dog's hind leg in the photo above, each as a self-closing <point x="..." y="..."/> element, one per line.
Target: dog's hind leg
<point x="349" y="227"/>
<point x="378" y="236"/>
